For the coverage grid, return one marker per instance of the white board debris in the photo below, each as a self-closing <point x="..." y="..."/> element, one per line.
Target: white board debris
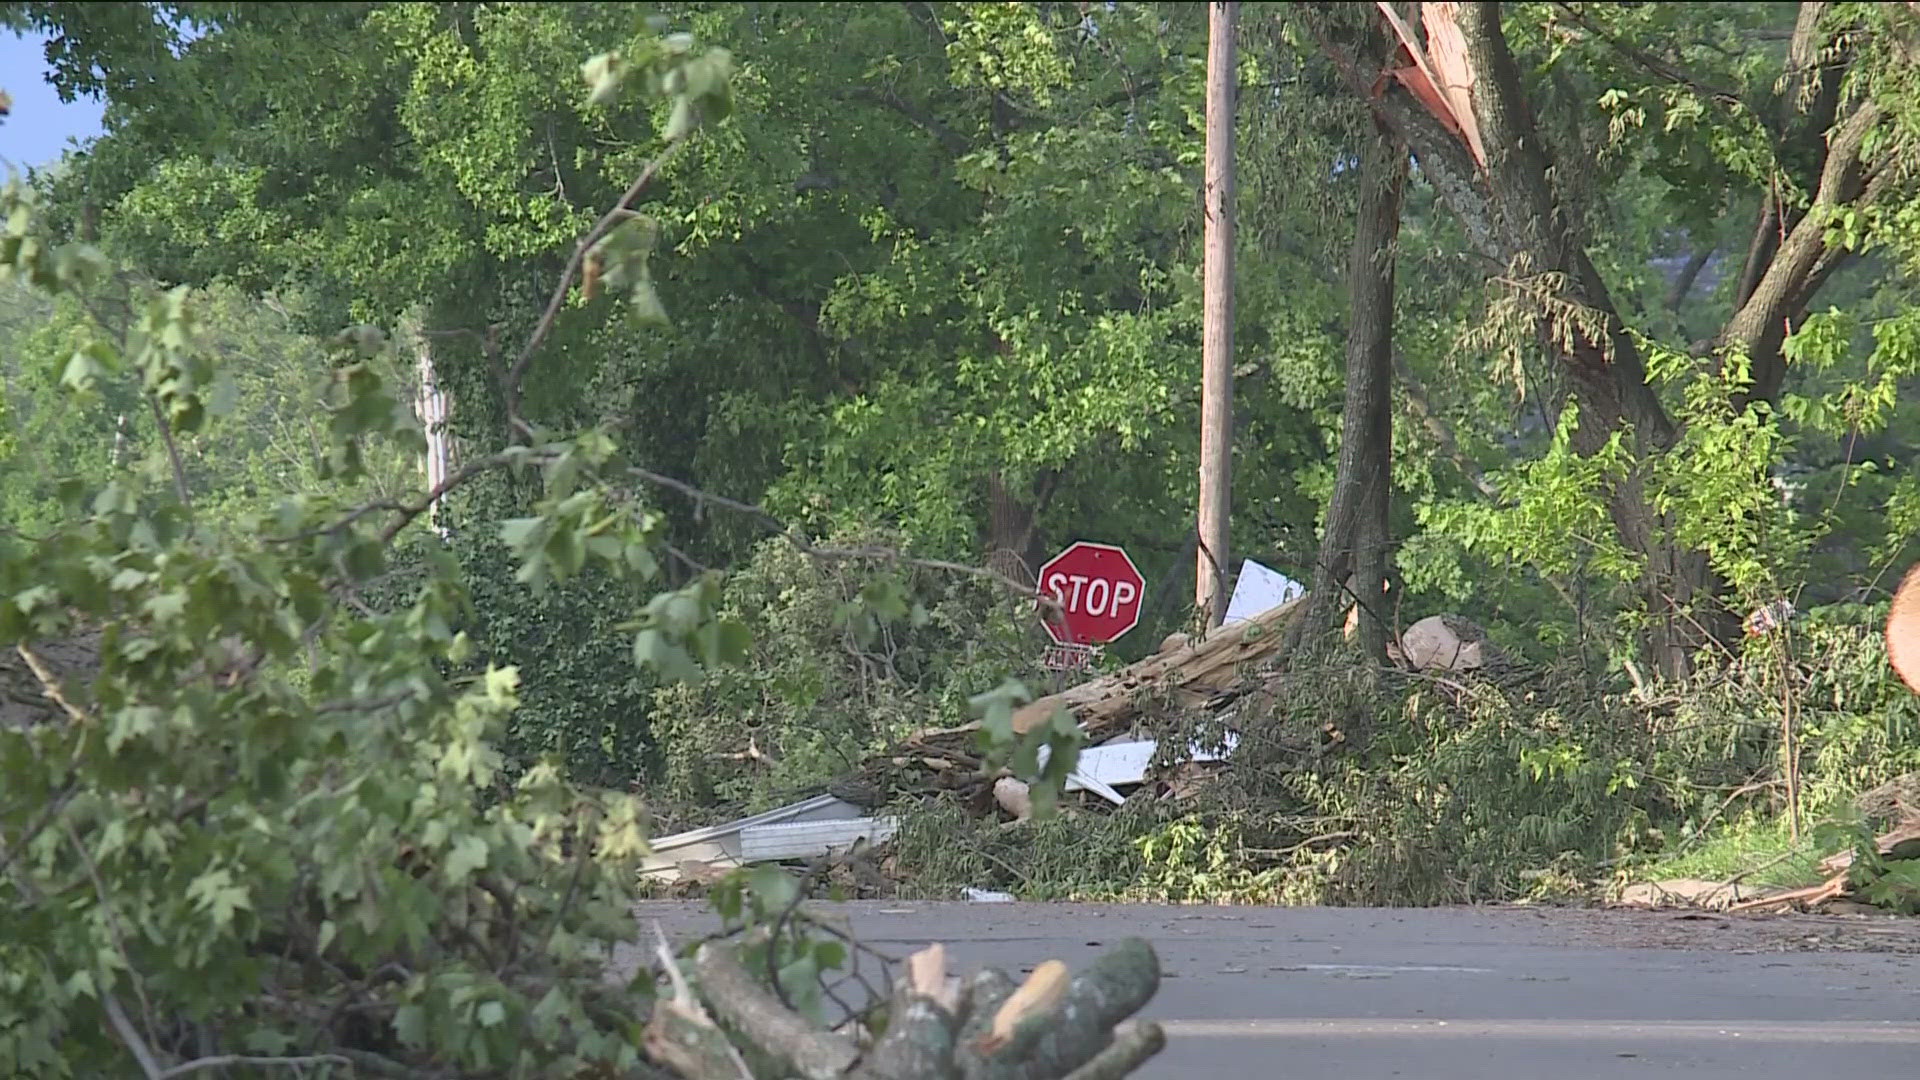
<point x="1258" y="591"/>
<point x="1102" y="769"/>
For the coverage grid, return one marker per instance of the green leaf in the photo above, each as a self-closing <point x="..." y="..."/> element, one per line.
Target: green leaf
<point x="773" y="888"/>
<point x="217" y="894"/>
<point x="410" y="1025"/>
<point x="829" y="954"/>
<point x="468" y="854"/>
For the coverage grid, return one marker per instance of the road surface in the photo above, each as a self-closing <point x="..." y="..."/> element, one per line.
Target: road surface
<point x="1461" y="993"/>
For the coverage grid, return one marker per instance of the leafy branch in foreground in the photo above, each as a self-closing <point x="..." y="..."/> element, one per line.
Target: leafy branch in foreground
<point x="246" y="831"/>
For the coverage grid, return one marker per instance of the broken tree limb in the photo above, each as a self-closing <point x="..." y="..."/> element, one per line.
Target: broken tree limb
<point x="1020" y="1018"/>
<point x="1110" y="990"/>
<point x="771" y="1027"/>
<point x="1813" y="894"/>
<point x="1053" y="1028"/>
<point x="1133" y="1043"/>
<point x="918" y="1043"/>
<point x="680" y="1034"/>
<point x="1901" y="842"/>
<point x="1189" y="674"/>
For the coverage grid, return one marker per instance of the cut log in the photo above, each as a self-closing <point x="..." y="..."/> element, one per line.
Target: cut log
<point x="1052" y="1028"/>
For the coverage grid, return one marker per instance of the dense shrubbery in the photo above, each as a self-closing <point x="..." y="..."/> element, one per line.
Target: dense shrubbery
<point x="828" y="685"/>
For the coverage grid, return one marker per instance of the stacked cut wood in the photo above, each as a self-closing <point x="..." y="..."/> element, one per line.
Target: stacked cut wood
<point x="1055" y="1026"/>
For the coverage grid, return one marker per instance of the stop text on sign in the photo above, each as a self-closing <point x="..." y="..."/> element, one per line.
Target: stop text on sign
<point x="1095" y="596"/>
<point x="1095" y="592"/>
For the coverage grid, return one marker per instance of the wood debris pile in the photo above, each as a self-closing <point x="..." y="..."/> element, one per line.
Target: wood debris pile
<point x="939" y="1027"/>
<point x="1902" y="842"/>
<point x="1894" y="806"/>
<point x="1185" y="677"/>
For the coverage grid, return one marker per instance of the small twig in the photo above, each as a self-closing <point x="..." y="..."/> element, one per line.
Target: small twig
<point x="119" y="941"/>
<point x="1654" y="65"/>
<point x="459" y="477"/>
<point x="872" y="553"/>
<point x="1769" y="864"/>
<point x="780" y="925"/>
<point x="49" y="684"/>
<point x="173" y="452"/>
<point x="38" y="825"/>
<point x="544" y="327"/>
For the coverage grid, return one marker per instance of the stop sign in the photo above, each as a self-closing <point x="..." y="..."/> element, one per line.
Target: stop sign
<point x="1098" y="590"/>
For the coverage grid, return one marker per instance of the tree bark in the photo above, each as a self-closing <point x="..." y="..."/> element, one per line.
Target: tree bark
<point x="1353" y="548"/>
<point x="1013" y="542"/>
<point x="1216" y="394"/>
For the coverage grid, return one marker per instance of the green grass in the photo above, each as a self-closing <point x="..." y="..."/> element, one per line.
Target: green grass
<point x="1759" y="850"/>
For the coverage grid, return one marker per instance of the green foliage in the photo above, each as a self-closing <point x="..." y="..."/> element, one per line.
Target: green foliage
<point x="942" y="849"/>
<point x="253" y="819"/>
<point x="583" y="700"/>
<point x="830" y="680"/>
<point x="199" y="824"/>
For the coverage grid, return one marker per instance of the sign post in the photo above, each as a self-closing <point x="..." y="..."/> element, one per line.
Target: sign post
<point x="1090" y="594"/>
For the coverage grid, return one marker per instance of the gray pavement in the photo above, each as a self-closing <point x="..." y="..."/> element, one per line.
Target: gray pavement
<point x="1461" y="993"/>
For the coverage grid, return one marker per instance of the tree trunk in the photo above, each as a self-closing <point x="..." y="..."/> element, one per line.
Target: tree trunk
<point x="1013" y="543"/>
<point x="1353" y="549"/>
<point x="1459" y="104"/>
<point x="1216" y="393"/>
<point x="432" y="405"/>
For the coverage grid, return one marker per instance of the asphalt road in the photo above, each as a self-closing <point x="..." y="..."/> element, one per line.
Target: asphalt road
<point x="1462" y="993"/>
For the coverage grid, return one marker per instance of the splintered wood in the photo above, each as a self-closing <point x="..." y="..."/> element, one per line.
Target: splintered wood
<point x="1901" y="842"/>
<point x="1187" y="675"/>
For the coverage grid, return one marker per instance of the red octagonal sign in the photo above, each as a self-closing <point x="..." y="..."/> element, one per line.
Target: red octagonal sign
<point x="1099" y="592"/>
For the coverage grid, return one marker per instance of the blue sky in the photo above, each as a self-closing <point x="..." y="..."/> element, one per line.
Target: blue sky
<point x="41" y="124"/>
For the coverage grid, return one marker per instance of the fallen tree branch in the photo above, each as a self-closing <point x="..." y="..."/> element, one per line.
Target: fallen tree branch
<point x="770" y="1026"/>
<point x="607" y="223"/>
<point x="919" y="1038"/>
<point x="1071" y="1034"/>
<point x="680" y="1034"/>
<point x="1132" y="1045"/>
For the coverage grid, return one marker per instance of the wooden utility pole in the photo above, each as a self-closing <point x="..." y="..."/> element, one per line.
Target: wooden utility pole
<point x="1216" y="340"/>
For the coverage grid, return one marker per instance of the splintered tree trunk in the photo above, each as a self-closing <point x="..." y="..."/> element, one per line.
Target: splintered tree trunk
<point x="1216" y="391"/>
<point x="1446" y="82"/>
<point x="1353" y="549"/>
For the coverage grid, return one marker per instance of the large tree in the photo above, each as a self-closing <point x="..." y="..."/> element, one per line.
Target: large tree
<point x="1792" y="112"/>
